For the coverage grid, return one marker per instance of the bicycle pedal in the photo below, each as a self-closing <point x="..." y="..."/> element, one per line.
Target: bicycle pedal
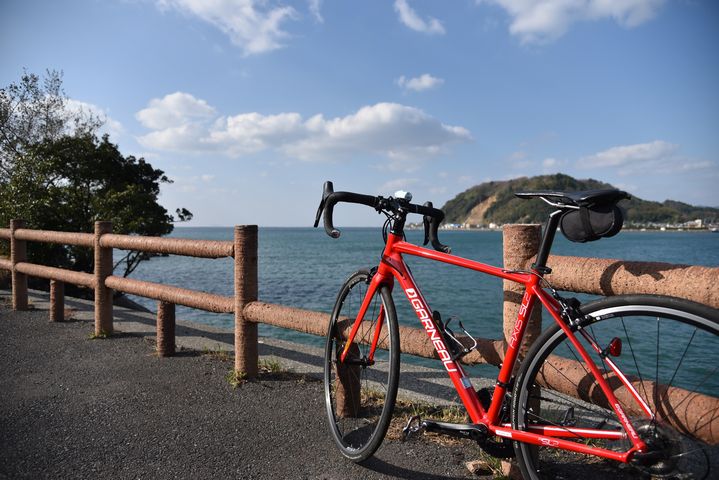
<point x="410" y="430"/>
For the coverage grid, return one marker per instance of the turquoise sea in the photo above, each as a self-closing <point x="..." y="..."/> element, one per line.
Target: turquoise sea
<point x="303" y="267"/>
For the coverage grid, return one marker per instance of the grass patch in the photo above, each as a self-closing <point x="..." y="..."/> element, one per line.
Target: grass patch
<point x="271" y="365"/>
<point x="269" y="369"/>
<point x="235" y="378"/>
<point x="218" y="354"/>
<point x="102" y="335"/>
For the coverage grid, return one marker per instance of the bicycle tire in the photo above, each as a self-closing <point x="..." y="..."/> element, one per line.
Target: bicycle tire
<point x="666" y="340"/>
<point x="360" y="403"/>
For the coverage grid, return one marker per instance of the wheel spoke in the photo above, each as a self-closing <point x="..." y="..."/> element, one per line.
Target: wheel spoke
<point x="634" y="357"/>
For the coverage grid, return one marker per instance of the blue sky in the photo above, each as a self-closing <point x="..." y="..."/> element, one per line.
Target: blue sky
<point x="250" y="105"/>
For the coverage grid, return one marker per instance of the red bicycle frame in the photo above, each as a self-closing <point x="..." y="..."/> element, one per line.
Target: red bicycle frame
<point x="392" y="267"/>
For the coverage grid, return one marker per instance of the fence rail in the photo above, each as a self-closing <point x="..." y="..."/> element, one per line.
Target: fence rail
<point x="49" y="236"/>
<point x="521" y="242"/>
<point x="51" y="273"/>
<point x="172" y="246"/>
<point x="179" y="296"/>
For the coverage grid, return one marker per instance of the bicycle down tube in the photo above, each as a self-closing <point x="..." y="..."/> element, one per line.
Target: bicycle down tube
<point x="392" y="267"/>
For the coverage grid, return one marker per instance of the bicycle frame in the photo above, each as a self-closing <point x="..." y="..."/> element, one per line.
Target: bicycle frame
<point x="392" y="266"/>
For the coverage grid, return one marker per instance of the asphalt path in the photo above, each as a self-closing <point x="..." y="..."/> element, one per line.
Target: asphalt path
<point x="76" y="407"/>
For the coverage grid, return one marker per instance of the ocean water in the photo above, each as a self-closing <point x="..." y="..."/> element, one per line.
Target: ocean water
<point x="303" y="267"/>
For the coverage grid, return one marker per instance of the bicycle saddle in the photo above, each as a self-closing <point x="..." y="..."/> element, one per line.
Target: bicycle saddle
<point x="582" y="198"/>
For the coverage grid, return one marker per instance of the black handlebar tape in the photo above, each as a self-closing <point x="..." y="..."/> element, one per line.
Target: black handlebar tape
<point x="347" y="197"/>
<point x="329" y="228"/>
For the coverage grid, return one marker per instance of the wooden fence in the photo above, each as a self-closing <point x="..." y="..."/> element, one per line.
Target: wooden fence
<point x="586" y="275"/>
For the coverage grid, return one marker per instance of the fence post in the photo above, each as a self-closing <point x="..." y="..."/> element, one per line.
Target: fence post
<point x="103" y="269"/>
<point x="521" y="243"/>
<point x="57" y="301"/>
<point x="245" y="292"/>
<point x="165" y="329"/>
<point x="18" y="253"/>
<point x="348" y="395"/>
<point x="520" y="247"/>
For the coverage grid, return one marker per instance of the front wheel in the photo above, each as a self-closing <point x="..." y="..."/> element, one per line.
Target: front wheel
<point x="360" y="392"/>
<point x="668" y="349"/>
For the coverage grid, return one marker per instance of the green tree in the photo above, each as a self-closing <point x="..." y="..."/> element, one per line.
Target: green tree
<point x="56" y="174"/>
<point x="34" y="110"/>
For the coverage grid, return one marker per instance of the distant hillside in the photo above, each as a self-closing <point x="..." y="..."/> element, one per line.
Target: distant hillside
<point x="494" y="202"/>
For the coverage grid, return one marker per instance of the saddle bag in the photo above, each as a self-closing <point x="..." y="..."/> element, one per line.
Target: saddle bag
<point x="591" y="223"/>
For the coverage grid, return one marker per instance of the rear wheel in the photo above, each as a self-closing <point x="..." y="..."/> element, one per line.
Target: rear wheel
<point x="360" y="392"/>
<point x="667" y="348"/>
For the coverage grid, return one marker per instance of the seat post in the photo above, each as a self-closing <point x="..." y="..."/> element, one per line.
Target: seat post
<point x="545" y="245"/>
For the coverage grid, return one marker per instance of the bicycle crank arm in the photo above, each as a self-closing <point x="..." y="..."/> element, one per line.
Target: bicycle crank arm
<point x="467" y="431"/>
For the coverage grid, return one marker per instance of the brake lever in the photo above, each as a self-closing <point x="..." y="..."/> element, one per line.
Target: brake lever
<point x="425" y="223"/>
<point x="319" y="212"/>
<point x="430" y="231"/>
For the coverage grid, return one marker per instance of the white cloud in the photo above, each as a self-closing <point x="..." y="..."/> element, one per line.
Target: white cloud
<point x="251" y="25"/>
<point x="401" y="133"/>
<point x="111" y="126"/>
<point x="410" y="19"/>
<point x="174" y="110"/>
<point x="180" y="122"/>
<point x="629" y="155"/>
<point x="316" y="10"/>
<point x="542" y="21"/>
<point x="421" y="83"/>
<point x="653" y="158"/>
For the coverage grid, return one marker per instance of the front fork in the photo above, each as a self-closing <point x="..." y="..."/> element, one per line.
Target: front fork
<point x="374" y="283"/>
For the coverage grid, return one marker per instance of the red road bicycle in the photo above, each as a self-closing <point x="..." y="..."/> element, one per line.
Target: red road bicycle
<point x="620" y="387"/>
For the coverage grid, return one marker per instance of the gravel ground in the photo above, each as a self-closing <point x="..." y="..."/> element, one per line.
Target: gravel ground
<point x="72" y="407"/>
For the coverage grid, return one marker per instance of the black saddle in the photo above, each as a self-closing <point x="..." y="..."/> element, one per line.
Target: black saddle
<point x="580" y="199"/>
